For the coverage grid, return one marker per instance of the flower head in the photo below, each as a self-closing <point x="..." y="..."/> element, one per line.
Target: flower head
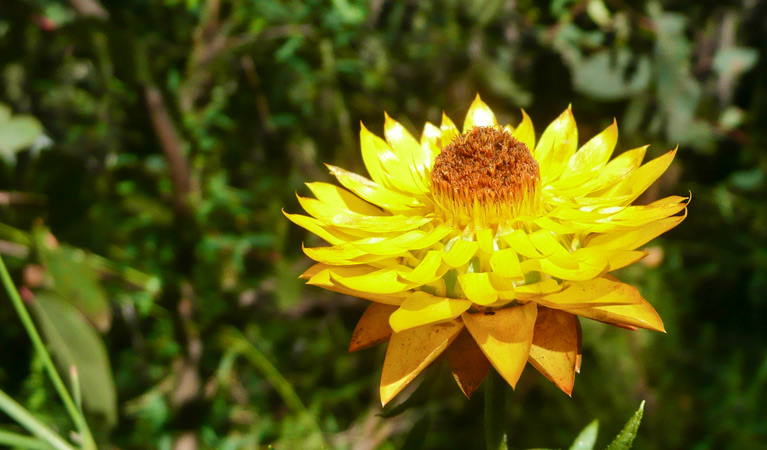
<point x="486" y="245"/>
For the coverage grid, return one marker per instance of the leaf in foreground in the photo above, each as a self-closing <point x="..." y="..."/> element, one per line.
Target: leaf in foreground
<point x="625" y="438"/>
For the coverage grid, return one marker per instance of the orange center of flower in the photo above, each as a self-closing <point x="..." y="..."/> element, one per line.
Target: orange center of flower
<point x="485" y="176"/>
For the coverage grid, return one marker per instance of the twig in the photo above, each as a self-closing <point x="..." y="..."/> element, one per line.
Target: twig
<point x="180" y="173"/>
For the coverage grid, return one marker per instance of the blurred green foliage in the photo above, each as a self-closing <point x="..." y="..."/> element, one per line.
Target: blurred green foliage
<point x="176" y="131"/>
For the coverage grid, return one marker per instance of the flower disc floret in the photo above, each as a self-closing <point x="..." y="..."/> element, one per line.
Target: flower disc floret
<point x="485" y="177"/>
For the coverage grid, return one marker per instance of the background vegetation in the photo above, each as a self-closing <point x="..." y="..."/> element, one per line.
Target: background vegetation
<point x="148" y="148"/>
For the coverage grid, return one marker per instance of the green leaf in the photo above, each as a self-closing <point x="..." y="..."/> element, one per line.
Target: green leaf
<point x="18" y="133"/>
<point x="74" y="342"/>
<point x="75" y="280"/>
<point x="587" y="437"/>
<point x="603" y="75"/>
<point x="625" y="438"/>
<point x="678" y="90"/>
<point x="731" y="62"/>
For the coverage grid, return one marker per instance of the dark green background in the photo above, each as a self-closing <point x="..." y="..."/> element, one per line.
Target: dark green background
<point x="256" y="95"/>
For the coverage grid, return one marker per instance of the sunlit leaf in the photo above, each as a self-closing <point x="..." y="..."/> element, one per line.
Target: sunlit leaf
<point x="74" y="342"/>
<point x="587" y="437"/>
<point x="625" y="438"/>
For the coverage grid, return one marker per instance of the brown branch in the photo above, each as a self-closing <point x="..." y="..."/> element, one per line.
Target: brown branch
<point x="180" y="173"/>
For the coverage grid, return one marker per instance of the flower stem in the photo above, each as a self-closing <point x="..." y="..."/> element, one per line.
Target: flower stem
<point x="495" y="411"/>
<point x="30" y="422"/>
<point x="82" y="427"/>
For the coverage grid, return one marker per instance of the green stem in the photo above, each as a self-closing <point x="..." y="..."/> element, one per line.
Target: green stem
<point x="15" y="440"/>
<point x="495" y="411"/>
<point x="50" y="368"/>
<point x="24" y="418"/>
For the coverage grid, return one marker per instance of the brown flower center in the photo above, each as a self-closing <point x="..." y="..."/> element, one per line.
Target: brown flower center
<point x="485" y="169"/>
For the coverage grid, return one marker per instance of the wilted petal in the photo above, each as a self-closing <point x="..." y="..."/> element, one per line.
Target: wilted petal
<point x="467" y="362"/>
<point x="505" y="337"/>
<point x="555" y="347"/>
<point x="410" y="352"/>
<point x="373" y="327"/>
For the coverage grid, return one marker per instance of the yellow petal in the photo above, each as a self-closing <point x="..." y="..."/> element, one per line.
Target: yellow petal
<point x="405" y="146"/>
<point x="544" y="241"/>
<point x="593" y="155"/>
<point x="641" y="179"/>
<point x="521" y="243"/>
<point x="323" y="280"/>
<point x="477" y="288"/>
<point x="429" y="268"/>
<point x="313" y="270"/>
<point x="334" y="254"/>
<point x="639" y="216"/>
<point x="332" y="235"/>
<point x="556" y="146"/>
<point x="555" y="347"/>
<point x="342" y="199"/>
<point x="339" y="217"/>
<point x="449" y="130"/>
<point x="411" y="351"/>
<point x="422" y="308"/>
<point x="569" y="267"/>
<point x="617" y="169"/>
<point x="429" y="238"/>
<point x="506" y="264"/>
<point x="597" y="292"/>
<point x="431" y="141"/>
<point x="534" y="290"/>
<point x="617" y="259"/>
<point x="373" y="327"/>
<point x="412" y="240"/>
<point x="467" y="362"/>
<point x="373" y="192"/>
<point x="375" y="154"/>
<point x="629" y="240"/>
<point x="485" y="240"/>
<point x="525" y="132"/>
<point x="479" y="115"/>
<point x="642" y="315"/>
<point x="460" y="253"/>
<point x="505" y="337"/>
<point x="382" y="281"/>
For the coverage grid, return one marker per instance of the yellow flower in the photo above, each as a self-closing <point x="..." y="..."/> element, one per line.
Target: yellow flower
<point x="486" y="245"/>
